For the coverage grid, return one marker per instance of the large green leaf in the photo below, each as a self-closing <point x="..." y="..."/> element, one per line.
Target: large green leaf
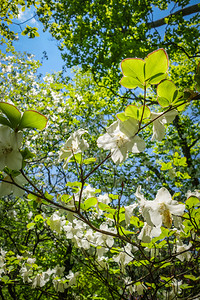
<point x="11" y="112"/>
<point x="139" y="72"/>
<point x="33" y="119"/>
<point x="133" y="67"/>
<point x="156" y="66"/>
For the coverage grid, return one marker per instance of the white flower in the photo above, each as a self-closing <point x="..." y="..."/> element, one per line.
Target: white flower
<point x="8" y="188"/>
<point x="10" y="142"/>
<point x="185" y="255"/>
<point x="25" y="273"/>
<point x="148" y="232"/>
<point x="160" y="210"/>
<point x="104" y="239"/>
<point x="158" y="124"/>
<point x="72" y="278"/>
<point x="56" y="222"/>
<point x="104" y="198"/>
<point x="75" y="144"/>
<point x="124" y="257"/>
<point x="129" y="212"/>
<point x="139" y="288"/>
<point x="195" y="193"/>
<point x="60" y="284"/>
<point x="120" y="139"/>
<point x="38" y="280"/>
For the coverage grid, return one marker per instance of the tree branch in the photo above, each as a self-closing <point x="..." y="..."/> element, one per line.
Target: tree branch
<point x="183" y="12"/>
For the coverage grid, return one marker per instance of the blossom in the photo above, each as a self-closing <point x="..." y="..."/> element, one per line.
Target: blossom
<point x="148" y="232"/>
<point x="185" y="255"/>
<point x="124" y="257"/>
<point x="158" y="124"/>
<point x="8" y="188"/>
<point x="60" y="284"/>
<point x="72" y="278"/>
<point x="129" y="212"/>
<point x="120" y="139"/>
<point x="104" y="239"/>
<point x="10" y="143"/>
<point x="160" y="210"/>
<point x="75" y="144"/>
<point x="56" y="222"/>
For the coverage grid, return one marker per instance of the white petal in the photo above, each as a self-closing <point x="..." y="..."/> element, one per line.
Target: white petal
<point x="163" y="196"/>
<point x="177" y="210"/>
<point x="158" y="131"/>
<point x="169" y="116"/>
<point x="14" y="160"/>
<point x="138" y="145"/>
<point x="129" y="127"/>
<point x="156" y="217"/>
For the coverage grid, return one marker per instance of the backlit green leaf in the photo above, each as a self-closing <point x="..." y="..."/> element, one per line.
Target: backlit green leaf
<point x="33" y="119"/>
<point x="11" y="112"/>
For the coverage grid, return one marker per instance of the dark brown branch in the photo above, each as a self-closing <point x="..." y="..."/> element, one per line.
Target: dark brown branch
<point x="183" y="12"/>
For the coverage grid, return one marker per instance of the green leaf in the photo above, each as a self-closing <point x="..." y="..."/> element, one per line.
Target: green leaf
<point x="133" y="68"/>
<point x="163" y="101"/>
<point x="130" y="82"/>
<point x="66" y="198"/>
<point x="192" y="201"/>
<point x="167" y="89"/>
<point x="74" y="184"/>
<point x="76" y="158"/>
<point x="122" y="117"/>
<point x="30" y="226"/>
<point x="90" y="202"/>
<point x="106" y="207"/>
<point x="33" y="119"/>
<point x="88" y="161"/>
<point x="48" y="196"/>
<point x="192" y="277"/>
<point x="26" y="154"/>
<point x="11" y="112"/>
<point x="156" y="66"/>
<point x="166" y="166"/>
<point x="136" y="112"/>
<point x="38" y="218"/>
<point x="185" y="286"/>
<point x="5" y="121"/>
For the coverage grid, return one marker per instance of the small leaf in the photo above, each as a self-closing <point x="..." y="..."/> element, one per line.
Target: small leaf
<point x="33" y="119"/>
<point x="122" y="117"/>
<point x="163" y="101"/>
<point x="167" y="89"/>
<point x="26" y="154"/>
<point x="106" y="207"/>
<point x="66" y="198"/>
<point x="11" y="112"/>
<point x="30" y="226"/>
<point x="192" y="277"/>
<point x="88" y="161"/>
<point x="192" y="201"/>
<point x="90" y="202"/>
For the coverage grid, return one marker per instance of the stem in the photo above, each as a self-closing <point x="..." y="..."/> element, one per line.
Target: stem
<point x="145" y="95"/>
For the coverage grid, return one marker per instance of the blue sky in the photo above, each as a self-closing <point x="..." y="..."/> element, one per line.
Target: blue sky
<point x="46" y="43"/>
